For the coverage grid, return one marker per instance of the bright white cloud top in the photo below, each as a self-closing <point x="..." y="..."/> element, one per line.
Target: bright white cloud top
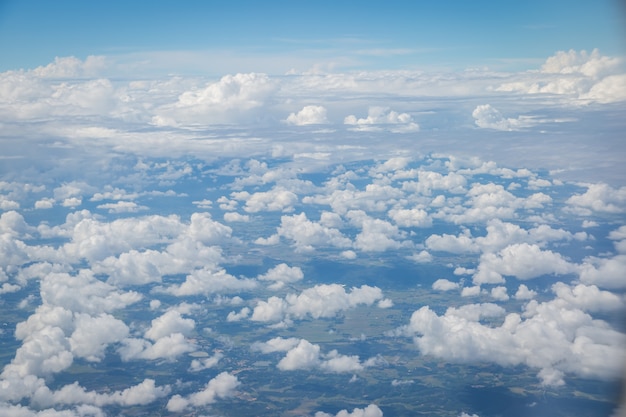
<point x="312" y="241"/>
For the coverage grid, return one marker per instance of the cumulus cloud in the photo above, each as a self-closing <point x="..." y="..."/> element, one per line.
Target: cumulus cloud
<point x="383" y="117"/>
<point x="578" y="74"/>
<point x="309" y="115"/>
<point x="548" y="336"/>
<point x="486" y="116"/>
<point x="222" y="386"/>
<point x="599" y="197"/>
<point x="320" y="301"/>
<point x="521" y="260"/>
<point x="303" y="355"/>
<point x="282" y="274"/>
<point x="231" y="99"/>
<point x="443" y="284"/>
<point x="371" y="410"/>
<point x="306" y="234"/>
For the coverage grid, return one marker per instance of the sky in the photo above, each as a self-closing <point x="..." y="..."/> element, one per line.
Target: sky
<point x="271" y="36"/>
<point x="327" y="209"/>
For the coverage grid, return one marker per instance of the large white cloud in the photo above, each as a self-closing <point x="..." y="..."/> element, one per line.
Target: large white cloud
<point x="304" y="355"/>
<point x="548" y="336"/>
<point x="224" y="385"/>
<point x="320" y="301"/>
<point x="371" y="410"/>
<point x="309" y="115"/>
<point x="382" y="117"/>
<point x="231" y="99"/>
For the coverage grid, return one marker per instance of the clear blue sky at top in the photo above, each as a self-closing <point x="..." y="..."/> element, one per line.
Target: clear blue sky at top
<point x="33" y="32"/>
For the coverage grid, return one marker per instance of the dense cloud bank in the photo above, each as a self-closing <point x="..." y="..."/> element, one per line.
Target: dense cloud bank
<point x="181" y="227"/>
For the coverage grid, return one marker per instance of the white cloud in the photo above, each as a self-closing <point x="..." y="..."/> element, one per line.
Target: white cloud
<point x="234" y="98"/>
<point x="520" y="260"/>
<point x="169" y="323"/>
<point x="604" y="272"/>
<point x="382" y="117"/>
<point x="309" y="115"/>
<point x="580" y="75"/>
<point x="601" y="198"/>
<point x="324" y="300"/>
<point x="201" y="364"/>
<point x="486" y="116"/>
<point x="443" y="284"/>
<point x="371" y="410"/>
<point x="122" y="207"/>
<point x="523" y="293"/>
<point x="547" y="336"/>
<point x="276" y="199"/>
<point x="222" y="386"/>
<point x="306" y="234"/>
<point x="303" y="355"/>
<point x="282" y="274"/>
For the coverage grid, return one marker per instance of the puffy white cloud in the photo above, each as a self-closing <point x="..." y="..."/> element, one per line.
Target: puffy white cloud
<point x="521" y="260"/>
<point x="143" y="393"/>
<point x="205" y="363"/>
<point x="588" y="297"/>
<point x="122" y="207"/>
<point x="486" y="116"/>
<point x="427" y="181"/>
<point x="302" y="354"/>
<point x="222" y="386"/>
<point x="499" y="293"/>
<point x="371" y="410"/>
<point x="463" y="243"/>
<point x="231" y="99"/>
<point x="599" y="197"/>
<point x="276" y="199"/>
<point x="282" y="274"/>
<point x="92" y="335"/>
<point x="84" y="293"/>
<point x="376" y="235"/>
<point x="604" y="272"/>
<point x="414" y="217"/>
<point x="443" y="284"/>
<point x="307" y="234"/>
<point x="548" y="336"/>
<point x="209" y="280"/>
<point x="379" y="117"/>
<point x="324" y="300"/>
<point x="167" y="347"/>
<point x="169" y="323"/>
<point x="523" y="293"/>
<point x="579" y="75"/>
<point x="309" y="115"/>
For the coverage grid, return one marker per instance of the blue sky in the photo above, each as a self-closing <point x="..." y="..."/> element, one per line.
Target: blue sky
<point x="399" y="34"/>
<point x="398" y="201"/>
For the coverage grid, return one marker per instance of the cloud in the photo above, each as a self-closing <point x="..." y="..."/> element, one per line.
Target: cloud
<point x="277" y="199"/>
<point x="600" y="198"/>
<point x="578" y="74"/>
<point x="383" y="118"/>
<point x="445" y="285"/>
<point x="324" y="300"/>
<point x="303" y="355"/>
<point x="222" y="386"/>
<point x="309" y="115"/>
<point x="548" y="336"/>
<point x="486" y="116"/>
<point x="306" y="234"/>
<point x="282" y="274"/>
<point x="371" y="410"/>
<point x="234" y="98"/>
<point x="520" y="260"/>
